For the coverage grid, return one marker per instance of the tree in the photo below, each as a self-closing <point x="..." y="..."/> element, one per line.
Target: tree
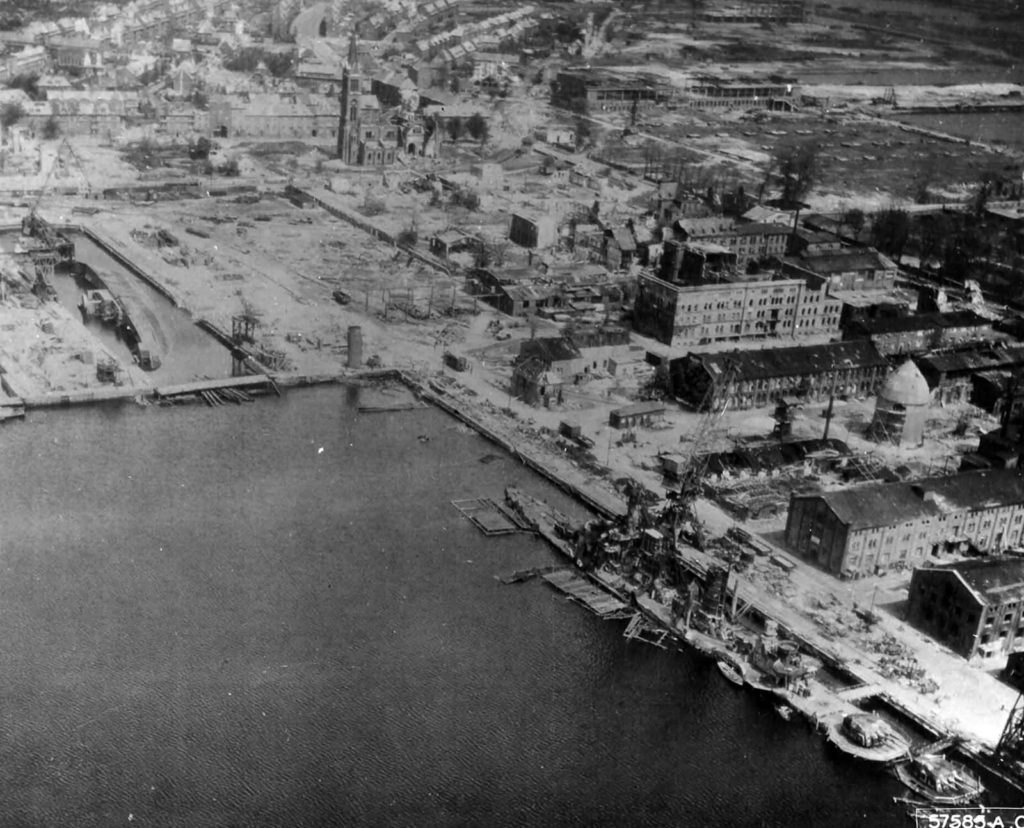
<point x="478" y="128"/>
<point x="11" y="113"/>
<point x="934" y="231"/>
<point x="466" y="198"/>
<point x="408" y="237"/>
<point x="582" y="126"/>
<point x="51" y="127"/>
<point x="890" y="231"/>
<point x="490" y="253"/>
<point x="29" y="84"/>
<point x="798" y="165"/>
<point x="456" y="128"/>
<point x="854" y="219"/>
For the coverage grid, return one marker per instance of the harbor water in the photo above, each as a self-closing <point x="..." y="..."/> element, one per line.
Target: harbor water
<point x="271" y="615"/>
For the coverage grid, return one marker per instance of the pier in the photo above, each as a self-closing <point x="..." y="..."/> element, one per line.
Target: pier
<point x="582" y="590"/>
<point x="489" y="517"/>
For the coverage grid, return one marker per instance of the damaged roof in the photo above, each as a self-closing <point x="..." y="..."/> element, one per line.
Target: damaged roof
<point x="998" y="580"/>
<point x="922" y="322"/>
<point x="826" y="264"/>
<point x="793" y="361"/>
<point x="971" y="361"/>
<point x="548" y="349"/>
<point x="885" y="504"/>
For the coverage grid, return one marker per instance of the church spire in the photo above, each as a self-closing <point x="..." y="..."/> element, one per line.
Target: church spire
<point x="353" y="50"/>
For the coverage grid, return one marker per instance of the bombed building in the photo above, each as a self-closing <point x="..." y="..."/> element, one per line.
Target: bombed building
<point x="879" y="527"/>
<point x="751" y="379"/>
<point x="731" y="310"/>
<point x="973" y="607"/>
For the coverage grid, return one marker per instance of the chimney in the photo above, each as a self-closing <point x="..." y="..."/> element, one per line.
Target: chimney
<point x="927" y="495"/>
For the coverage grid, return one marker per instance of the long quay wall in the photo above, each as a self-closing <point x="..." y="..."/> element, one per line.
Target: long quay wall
<point x="605" y="504"/>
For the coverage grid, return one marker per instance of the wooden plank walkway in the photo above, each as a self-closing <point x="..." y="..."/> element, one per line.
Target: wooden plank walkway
<point x="593" y="597"/>
<point x="195" y="387"/>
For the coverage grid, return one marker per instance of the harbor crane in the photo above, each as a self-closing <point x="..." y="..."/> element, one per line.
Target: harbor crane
<point x="693" y="467"/>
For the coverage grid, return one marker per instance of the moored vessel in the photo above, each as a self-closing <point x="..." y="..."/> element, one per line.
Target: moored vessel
<point x="867" y="736"/>
<point x="939" y="780"/>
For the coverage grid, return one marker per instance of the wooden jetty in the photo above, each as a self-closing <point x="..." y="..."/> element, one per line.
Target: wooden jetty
<point x="226" y="389"/>
<point x="591" y="596"/>
<point x="489" y="517"/>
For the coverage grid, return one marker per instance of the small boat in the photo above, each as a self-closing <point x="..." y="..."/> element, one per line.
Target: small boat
<point x="785" y="711"/>
<point x="731" y="671"/>
<point x="341" y="297"/>
<point x="940" y="780"/>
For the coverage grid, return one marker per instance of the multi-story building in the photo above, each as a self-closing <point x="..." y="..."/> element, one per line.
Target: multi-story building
<point x="973" y="607"/>
<point x="273" y="116"/>
<point x="733" y="310"/>
<point x="593" y="91"/>
<point x="708" y="92"/>
<point x="751" y="379"/>
<point x="77" y="53"/>
<point x="84" y="112"/>
<point x="950" y="374"/>
<point x="754" y="241"/>
<point x="913" y="335"/>
<point x="847" y="269"/>
<point x="883" y="526"/>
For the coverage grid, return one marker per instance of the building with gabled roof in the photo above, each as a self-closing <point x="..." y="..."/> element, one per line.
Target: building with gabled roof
<point x="974" y="607"/>
<point x="846" y="269"/>
<point x="916" y="334"/>
<point x="755" y="378"/>
<point x="882" y="526"/>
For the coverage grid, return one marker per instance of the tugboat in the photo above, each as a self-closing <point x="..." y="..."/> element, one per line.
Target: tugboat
<point x="940" y="780"/>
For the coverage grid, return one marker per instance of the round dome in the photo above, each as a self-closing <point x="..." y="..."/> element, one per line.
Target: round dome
<point x="907" y="386"/>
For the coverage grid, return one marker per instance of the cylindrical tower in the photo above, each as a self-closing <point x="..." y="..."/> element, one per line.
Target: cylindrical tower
<point x="355" y="346"/>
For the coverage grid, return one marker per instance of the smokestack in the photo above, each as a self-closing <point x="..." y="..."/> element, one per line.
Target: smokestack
<point x="355" y="346"/>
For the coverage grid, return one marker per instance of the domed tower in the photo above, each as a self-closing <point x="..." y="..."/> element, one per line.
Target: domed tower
<point x="902" y="407"/>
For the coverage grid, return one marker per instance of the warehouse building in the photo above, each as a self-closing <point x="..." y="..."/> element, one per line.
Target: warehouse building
<point x="884" y="526"/>
<point x="751" y="379"/>
<point x="973" y="607"/>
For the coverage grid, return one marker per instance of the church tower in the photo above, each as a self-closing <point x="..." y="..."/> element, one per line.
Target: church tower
<point x="351" y="89"/>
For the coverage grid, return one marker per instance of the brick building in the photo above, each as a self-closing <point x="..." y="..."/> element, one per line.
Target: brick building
<point x="917" y="334"/>
<point x="732" y="310"/>
<point x="762" y="377"/>
<point x="754" y="242"/>
<point x="268" y="115"/>
<point x="973" y="607"/>
<point x="882" y="526"/>
<point x="593" y="91"/>
<point x="846" y="269"/>
<point x="951" y="374"/>
<point x="710" y="92"/>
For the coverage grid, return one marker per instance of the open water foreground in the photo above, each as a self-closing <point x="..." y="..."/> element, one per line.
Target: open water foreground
<point x="271" y="615"/>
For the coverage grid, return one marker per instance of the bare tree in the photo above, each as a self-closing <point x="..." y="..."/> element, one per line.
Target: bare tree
<point x="798" y="165"/>
<point x="854" y="219"/>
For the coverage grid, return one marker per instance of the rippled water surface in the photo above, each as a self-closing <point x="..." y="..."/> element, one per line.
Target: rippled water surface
<point x="271" y="615"/>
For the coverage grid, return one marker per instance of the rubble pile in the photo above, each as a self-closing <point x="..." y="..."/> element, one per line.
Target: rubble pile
<point x="898" y="662"/>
